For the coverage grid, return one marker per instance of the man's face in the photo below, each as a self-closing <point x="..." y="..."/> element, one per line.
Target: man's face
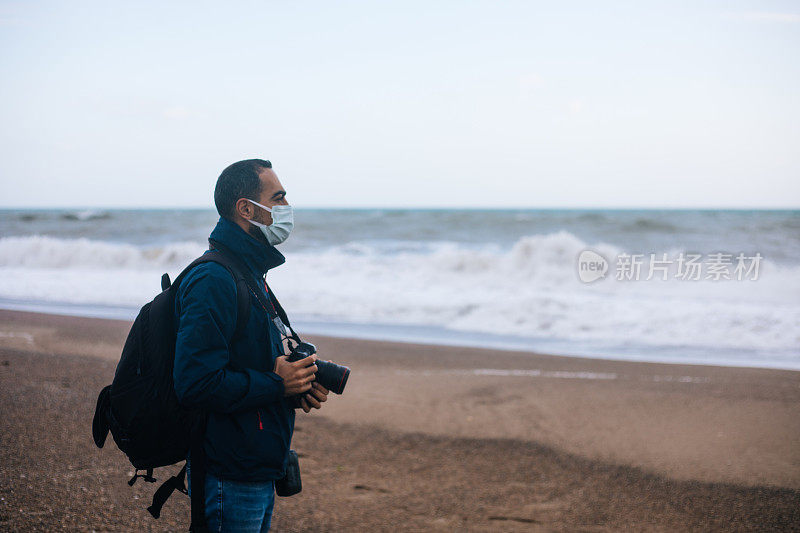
<point x="272" y="193"/>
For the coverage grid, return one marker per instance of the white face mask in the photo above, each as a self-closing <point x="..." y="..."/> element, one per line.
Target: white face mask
<point x="282" y="223"/>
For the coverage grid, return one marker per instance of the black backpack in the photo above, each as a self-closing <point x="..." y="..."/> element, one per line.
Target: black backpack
<point x="140" y="407"/>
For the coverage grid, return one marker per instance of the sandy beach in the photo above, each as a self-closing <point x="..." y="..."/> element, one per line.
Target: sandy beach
<point x="431" y="438"/>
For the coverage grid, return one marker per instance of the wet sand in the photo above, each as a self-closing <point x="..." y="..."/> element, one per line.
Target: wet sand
<point x="431" y="438"/>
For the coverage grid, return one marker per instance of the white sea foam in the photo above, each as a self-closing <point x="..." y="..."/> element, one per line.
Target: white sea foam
<point x="530" y="290"/>
<point x="551" y="374"/>
<point x="516" y="373"/>
<point x="42" y="252"/>
<point x="558" y="374"/>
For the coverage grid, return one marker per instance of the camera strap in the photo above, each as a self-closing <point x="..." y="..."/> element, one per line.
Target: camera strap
<point x="277" y="308"/>
<point x="273" y="307"/>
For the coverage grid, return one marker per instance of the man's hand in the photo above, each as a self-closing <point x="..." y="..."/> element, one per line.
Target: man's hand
<point x="297" y="376"/>
<point x="314" y="398"/>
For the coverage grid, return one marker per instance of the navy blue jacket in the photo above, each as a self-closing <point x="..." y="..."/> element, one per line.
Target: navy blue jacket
<point x="250" y="422"/>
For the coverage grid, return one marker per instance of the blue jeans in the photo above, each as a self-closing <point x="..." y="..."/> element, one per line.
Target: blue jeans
<point x="237" y="506"/>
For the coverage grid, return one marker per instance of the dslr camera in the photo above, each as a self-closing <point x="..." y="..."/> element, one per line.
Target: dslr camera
<point x="330" y="375"/>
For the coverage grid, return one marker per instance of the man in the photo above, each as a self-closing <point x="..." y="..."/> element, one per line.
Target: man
<point x="244" y="383"/>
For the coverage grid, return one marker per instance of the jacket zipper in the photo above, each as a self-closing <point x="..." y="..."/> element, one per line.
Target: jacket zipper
<point x="260" y="425"/>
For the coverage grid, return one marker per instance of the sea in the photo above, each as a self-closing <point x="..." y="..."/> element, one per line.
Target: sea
<point x="717" y="287"/>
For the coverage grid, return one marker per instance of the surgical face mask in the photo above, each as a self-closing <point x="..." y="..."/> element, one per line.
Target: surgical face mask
<point x="282" y="223"/>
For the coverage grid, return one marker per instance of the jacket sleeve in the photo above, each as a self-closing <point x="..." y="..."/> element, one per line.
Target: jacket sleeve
<point x="203" y="377"/>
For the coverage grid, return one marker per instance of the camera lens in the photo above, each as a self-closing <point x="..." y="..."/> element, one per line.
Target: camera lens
<point x="332" y="376"/>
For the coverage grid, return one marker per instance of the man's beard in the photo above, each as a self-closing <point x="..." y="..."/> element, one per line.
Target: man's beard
<point x="257" y="234"/>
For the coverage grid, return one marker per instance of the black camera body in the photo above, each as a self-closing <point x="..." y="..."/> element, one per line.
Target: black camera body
<point x="330" y="375"/>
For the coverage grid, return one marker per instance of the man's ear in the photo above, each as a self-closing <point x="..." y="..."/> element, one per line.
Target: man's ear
<point x="244" y="209"/>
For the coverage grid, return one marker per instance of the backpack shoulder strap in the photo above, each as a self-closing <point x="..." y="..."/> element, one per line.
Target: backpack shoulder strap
<point x="242" y="292"/>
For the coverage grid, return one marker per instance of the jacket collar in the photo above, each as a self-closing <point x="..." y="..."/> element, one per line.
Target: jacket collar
<point x="258" y="256"/>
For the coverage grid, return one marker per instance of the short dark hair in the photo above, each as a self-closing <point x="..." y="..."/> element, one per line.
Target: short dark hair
<point x="239" y="180"/>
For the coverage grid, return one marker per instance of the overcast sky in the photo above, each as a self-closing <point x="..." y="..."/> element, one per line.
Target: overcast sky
<point x="485" y="104"/>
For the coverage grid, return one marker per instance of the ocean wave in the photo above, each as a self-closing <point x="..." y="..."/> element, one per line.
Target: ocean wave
<point x="86" y="215"/>
<point x="530" y="289"/>
<point x="530" y="255"/>
<point x="50" y="252"/>
<point x="594" y="218"/>
<point x="650" y="224"/>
